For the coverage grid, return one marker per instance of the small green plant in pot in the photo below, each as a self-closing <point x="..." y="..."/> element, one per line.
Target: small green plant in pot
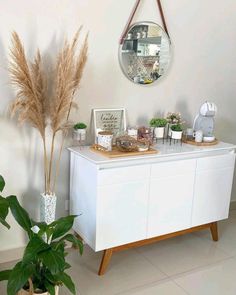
<point x="159" y="125"/>
<point x="176" y="131"/>
<point x="79" y="132"/>
<point x="173" y="119"/>
<point x="43" y="266"/>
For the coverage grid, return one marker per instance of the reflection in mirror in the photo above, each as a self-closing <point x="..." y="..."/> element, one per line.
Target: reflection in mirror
<point x="145" y="53"/>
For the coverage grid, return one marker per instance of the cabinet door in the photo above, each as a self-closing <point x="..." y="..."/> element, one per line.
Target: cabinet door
<point x="171" y="196"/>
<point x="214" y="176"/>
<point x="121" y="213"/>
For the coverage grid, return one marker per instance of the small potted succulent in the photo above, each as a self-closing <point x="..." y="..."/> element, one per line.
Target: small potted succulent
<point x="43" y="267"/>
<point x="79" y="131"/>
<point x="176" y="131"/>
<point x="173" y="119"/>
<point x="158" y="125"/>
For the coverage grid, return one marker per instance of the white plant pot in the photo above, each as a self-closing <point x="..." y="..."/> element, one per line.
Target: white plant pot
<point x="24" y="292"/>
<point x="176" y="134"/>
<point x="159" y="132"/>
<point x="48" y="208"/>
<point x="79" y="134"/>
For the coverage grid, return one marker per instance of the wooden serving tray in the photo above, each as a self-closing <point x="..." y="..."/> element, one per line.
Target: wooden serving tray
<point x="192" y="141"/>
<point x="115" y="153"/>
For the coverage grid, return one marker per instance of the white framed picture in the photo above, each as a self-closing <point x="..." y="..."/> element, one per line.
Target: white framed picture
<point x="109" y="120"/>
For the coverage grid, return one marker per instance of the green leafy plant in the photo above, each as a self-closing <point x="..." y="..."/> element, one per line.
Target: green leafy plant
<point x="43" y="265"/>
<point x="80" y="126"/>
<point x="177" y="127"/>
<point x="158" y="122"/>
<point x="3" y="205"/>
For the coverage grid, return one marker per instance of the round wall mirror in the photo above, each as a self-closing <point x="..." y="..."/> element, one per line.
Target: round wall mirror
<point x="145" y="53"/>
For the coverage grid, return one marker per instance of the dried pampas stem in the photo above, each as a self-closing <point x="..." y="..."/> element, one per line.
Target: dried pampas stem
<point x="79" y="68"/>
<point x="33" y="103"/>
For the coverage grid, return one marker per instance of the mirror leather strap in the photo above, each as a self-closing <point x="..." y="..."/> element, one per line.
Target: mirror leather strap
<point x="125" y="31"/>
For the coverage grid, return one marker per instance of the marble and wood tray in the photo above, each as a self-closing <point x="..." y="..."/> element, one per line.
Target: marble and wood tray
<point x="192" y="141"/>
<point x="115" y="153"/>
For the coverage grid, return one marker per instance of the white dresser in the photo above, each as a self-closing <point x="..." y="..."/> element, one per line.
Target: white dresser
<point x="126" y="200"/>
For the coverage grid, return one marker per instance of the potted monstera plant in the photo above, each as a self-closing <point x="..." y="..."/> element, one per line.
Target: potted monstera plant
<point x="42" y="269"/>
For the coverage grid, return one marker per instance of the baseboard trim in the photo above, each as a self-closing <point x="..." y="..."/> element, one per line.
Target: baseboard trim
<point x="233" y="205"/>
<point x="11" y="254"/>
<point x="17" y="253"/>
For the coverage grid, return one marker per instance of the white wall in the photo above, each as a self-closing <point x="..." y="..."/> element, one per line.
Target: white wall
<point x="203" y="67"/>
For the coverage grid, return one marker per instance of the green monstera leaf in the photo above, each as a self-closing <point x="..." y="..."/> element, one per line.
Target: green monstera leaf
<point x="2" y="183"/>
<point x="4" y="211"/>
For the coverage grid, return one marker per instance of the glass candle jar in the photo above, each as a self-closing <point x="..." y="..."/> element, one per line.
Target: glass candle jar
<point x="105" y="140"/>
<point x="133" y="132"/>
<point x="145" y="133"/>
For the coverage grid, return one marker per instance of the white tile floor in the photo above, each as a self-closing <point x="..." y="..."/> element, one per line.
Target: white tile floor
<point x="191" y="264"/>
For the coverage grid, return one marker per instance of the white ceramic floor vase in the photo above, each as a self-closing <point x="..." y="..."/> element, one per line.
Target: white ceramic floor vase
<point x="24" y="292"/>
<point x="48" y="208"/>
<point x="159" y="132"/>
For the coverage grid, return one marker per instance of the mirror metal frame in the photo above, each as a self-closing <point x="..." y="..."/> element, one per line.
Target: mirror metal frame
<point x="120" y="52"/>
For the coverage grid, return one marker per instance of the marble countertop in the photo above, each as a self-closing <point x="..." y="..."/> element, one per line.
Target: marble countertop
<point x="164" y="150"/>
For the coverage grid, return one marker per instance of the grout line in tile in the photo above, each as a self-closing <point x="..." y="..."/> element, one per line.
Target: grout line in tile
<point x="215" y="245"/>
<point x="185" y="291"/>
<point x="194" y="268"/>
<point x="150" y="284"/>
<point x="140" y="253"/>
<point x="181" y="274"/>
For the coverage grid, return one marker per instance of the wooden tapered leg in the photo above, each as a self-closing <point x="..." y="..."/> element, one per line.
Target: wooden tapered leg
<point x="105" y="261"/>
<point x="214" y="231"/>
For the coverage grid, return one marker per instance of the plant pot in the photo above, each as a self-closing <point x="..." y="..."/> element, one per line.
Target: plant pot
<point x="169" y="129"/>
<point x="79" y="134"/>
<point x="159" y="132"/>
<point x="48" y="208"/>
<point x="176" y="134"/>
<point x="24" y="292"/>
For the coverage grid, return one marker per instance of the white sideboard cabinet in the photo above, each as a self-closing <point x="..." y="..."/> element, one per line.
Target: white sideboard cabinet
<point x="132" y="201"/>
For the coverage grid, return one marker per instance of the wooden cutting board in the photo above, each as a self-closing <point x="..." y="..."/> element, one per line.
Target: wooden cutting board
<point x="115" y="153"/>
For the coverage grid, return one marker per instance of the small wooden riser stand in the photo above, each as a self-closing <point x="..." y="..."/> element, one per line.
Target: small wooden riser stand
<point x="108" y="252"/>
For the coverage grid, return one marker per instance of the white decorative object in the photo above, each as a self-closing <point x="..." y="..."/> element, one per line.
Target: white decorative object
<point x="198" y="136"/>
<point x="208" y="138"/>
<point x="189" y="132"/>
<point x="129" y="36"/>
<point x="137" y="79"/>
<point x="205" y="119"/>
<point x="24" y="292"/>
<point x="159" y="132"/>
<point x="79" y="134"/>
<point x="175" y="189"/>
<point x="133" y="132"/>
<point x="48" y="208"/>
<point x="113" y="120"/>
<point x="105" y="140"/>
<point x="176" y="134"/>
